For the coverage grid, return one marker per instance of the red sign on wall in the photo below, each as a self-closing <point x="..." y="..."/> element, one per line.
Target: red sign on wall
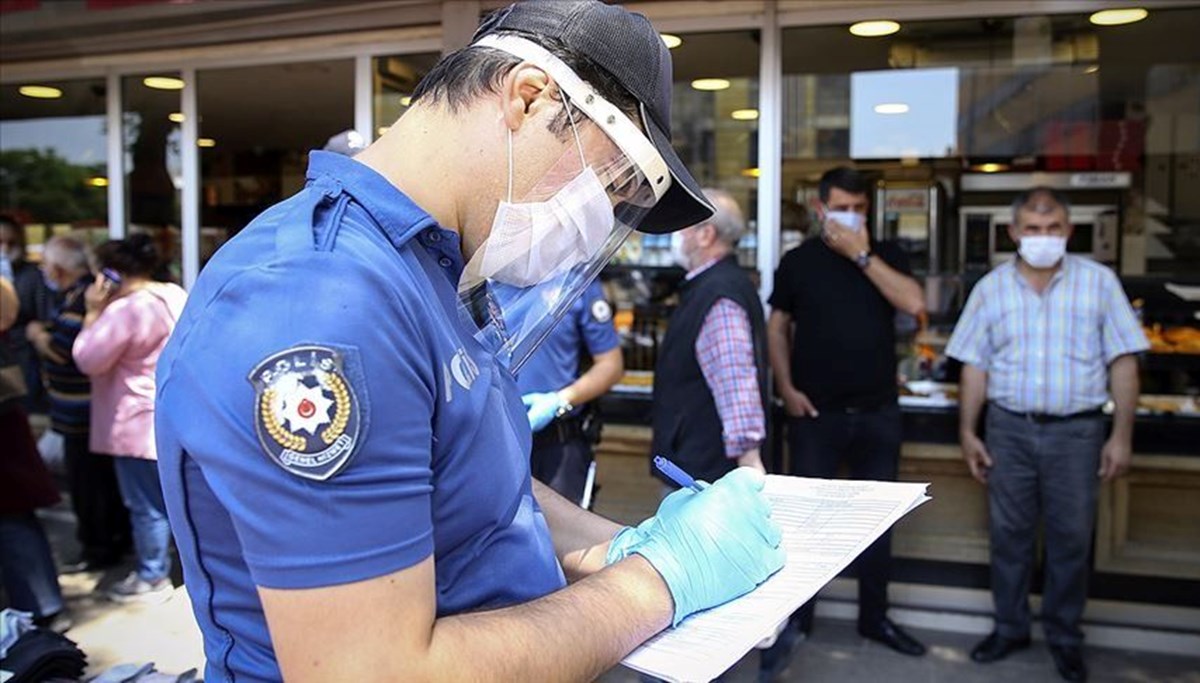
<point x="18" y="5"/>
<point x="118" y="4"/>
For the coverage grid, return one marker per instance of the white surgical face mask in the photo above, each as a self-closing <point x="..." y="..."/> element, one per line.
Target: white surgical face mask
<point x="1042" y="251"/>
<point x="678" y="254"/>
<point x="530" y="241"/>
<point x="850" y="219"/>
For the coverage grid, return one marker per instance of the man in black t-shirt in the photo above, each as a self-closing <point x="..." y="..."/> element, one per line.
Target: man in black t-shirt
<point x="832" y="347"/>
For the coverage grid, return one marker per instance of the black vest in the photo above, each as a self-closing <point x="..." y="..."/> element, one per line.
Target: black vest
<point x="687" y="428"/>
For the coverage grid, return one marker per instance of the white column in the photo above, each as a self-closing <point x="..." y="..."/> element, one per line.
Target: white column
<point x="364" y="118"/>
<point x="190" y="156"/>
<point x="770" y="148"/>
<point x="116" y="157"/>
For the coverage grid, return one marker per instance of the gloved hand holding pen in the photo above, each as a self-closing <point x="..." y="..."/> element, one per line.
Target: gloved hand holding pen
<point x="709" y="546"/>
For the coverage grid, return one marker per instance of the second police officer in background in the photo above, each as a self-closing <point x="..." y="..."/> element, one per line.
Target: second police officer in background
<point x="558" y="399"/>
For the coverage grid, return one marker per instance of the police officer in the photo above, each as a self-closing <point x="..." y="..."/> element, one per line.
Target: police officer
<point x="554" y="393"/>
<point x="342" y="445"/>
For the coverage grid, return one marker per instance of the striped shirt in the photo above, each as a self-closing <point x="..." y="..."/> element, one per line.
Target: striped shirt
<point x="69" y="389"/>
<point x="725" y="353"/>
<point x="1048" y="352"/>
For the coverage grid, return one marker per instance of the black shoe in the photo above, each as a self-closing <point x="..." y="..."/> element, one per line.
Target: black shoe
<point x="775" y="660"/>
<point x="86" y="564"/>
<point x="60" y="622"/>
<point x="887" y="632"/>
<point x="1068" y="660"/>
<point x="996" y="647"/>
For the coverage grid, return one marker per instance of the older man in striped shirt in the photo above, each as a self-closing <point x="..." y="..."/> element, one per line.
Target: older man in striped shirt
<point x="1044" y="339"/>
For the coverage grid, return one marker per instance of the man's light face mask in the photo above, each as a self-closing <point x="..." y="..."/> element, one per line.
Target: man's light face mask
<point x="545" y="249"/>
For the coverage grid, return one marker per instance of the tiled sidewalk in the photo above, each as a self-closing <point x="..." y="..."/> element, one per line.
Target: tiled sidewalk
<point x="166" y="634"/>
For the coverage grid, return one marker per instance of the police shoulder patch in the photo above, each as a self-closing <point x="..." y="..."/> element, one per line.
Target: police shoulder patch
<point x="601" y="311"/>
<point x="307" y="415"/>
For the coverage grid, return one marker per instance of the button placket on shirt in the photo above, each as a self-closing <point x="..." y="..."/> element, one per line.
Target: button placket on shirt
<point x="431" y="239"/>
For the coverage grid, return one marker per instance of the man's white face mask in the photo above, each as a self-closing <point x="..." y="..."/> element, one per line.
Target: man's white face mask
<point x="679" y="255"/>
<point x="1042" y="251"/>
<point x="530" y="241"/>
<point x="851" y="219"/>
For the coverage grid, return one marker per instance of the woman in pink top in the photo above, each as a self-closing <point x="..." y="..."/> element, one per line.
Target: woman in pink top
<point x="129" y="318"/>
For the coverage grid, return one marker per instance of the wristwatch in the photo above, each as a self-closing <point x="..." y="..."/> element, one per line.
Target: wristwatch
<point x="563" y="408"/>
<point x="863" y="259"/>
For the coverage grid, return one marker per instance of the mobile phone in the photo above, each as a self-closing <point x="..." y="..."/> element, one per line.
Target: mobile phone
<point x="111" y="275"/>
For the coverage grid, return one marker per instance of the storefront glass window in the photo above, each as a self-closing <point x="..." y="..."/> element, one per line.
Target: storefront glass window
<point x="1110" y="114"/>
<point x="53" y="159"/>
<point x="714" y="126"/>
<point x="393" y="79"/>
<point x="152" y="164"/>
<point x="257" y="125"/>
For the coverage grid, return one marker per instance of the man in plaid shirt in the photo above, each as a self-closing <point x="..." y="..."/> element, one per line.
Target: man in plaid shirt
<point x="1039" y="339"/>
<point x="710" y="379"/>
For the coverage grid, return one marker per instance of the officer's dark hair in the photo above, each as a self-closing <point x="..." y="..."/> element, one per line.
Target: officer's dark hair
<point x="134" y="256"/>
<point x="843" y="178"/>
<point x="464" y="75"/>
<point x="1028" y="200"/>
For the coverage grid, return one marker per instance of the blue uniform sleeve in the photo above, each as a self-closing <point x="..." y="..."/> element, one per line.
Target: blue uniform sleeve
<point x="274" y="328"/>
<point x="596" y="321"/>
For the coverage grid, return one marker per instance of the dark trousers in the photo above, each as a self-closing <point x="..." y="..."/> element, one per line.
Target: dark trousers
<point x="868" y="443"/>
<point x="1048" y="471"/>
<point x="35" y="400"/>
<point x="560" y="459"/>
<point x="30" y="578"/>
<point x="103" y="521"/>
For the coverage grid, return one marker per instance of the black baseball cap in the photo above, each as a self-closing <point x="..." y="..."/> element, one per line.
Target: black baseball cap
<point x="624" y="44"/>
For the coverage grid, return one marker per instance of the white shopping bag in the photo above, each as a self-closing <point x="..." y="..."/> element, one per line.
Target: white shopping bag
<point x="50" y="446"/>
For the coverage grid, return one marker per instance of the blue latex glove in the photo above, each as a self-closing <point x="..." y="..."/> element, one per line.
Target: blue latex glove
<point x="542" y="408"/>
<point x="712" y="546"/>
<point x="626" y="541"/>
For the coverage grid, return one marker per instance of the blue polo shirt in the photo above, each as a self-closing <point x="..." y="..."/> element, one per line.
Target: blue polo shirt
<point x="555" y="364"/>
<point x="325" y="416"/>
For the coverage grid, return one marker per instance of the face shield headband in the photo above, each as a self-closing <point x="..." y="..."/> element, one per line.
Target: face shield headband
<point x="544" y="250"/>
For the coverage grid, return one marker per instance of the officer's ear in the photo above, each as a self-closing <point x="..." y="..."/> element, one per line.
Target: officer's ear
<point x="526" y="92"/>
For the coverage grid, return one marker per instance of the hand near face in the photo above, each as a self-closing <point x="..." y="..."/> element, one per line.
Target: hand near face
<point x="843" y="240"/>
<point x="99" y="294"/>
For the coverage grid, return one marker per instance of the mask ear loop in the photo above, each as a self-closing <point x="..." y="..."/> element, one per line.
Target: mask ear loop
<point x="510" y="166"/>
<point x="575" y="130"/>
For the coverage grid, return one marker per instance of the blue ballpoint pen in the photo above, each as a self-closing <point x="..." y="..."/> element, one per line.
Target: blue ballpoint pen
<point x="671" y="471"/>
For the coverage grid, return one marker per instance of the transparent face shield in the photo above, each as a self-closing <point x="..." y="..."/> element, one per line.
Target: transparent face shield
<point x="546" y="248"/>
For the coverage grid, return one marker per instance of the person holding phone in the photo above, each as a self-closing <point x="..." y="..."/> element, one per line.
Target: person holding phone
<point x="128" y="320"/>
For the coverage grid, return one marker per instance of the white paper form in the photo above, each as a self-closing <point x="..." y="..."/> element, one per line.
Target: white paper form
<point x="826" y="523"/>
